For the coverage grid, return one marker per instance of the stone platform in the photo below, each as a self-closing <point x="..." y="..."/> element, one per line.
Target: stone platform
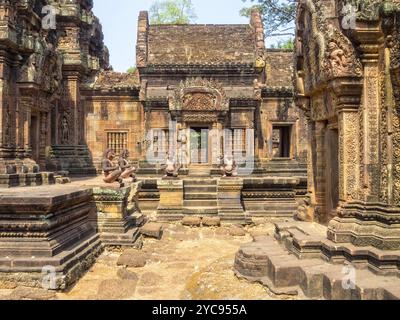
<point x="299" y="260"/>
<point x="46" y="232"/>
<point x="234" y="200"/>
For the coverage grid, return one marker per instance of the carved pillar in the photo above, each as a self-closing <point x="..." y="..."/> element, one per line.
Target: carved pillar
<point x="348" y="92"/>
<point x="371" y="40"/>
<point x="319" y="170"/>
<point x="73" y="102"/>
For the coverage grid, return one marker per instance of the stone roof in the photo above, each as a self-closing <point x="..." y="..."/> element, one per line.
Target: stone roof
<point x="116" y="80"/>
<point x="279" y="68"/>
<point x="200" y="44"/>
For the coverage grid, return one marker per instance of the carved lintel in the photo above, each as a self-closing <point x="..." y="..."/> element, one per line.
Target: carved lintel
<point x="348" y="92"/>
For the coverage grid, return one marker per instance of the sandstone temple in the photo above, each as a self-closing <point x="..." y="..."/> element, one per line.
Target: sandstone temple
<point x="311" y="136"/>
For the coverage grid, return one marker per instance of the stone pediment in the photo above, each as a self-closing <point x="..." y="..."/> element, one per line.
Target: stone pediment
<point x="199" y="95"/>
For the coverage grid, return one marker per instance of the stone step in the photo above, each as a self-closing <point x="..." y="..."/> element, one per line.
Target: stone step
<point x="200" y="203"/>
<point x="200" y="195"/>
<point x="266" y="261"/>
<point x="201" y="211"/>
<point x="306" y="241"/>
<point x="195" y="182"/>
<point x="200" y="189"/>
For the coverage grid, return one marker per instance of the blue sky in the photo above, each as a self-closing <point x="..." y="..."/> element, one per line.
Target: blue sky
<point x="119" y="20"/>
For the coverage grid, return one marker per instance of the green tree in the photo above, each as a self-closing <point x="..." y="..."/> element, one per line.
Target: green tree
<point x="278" y="15"/>
<point x="131" y="70"/>
<point x="172" y="12"/>
<point x="285" y="44"/>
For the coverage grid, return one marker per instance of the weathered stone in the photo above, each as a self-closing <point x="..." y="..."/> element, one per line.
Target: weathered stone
<point x="150" y="279"/>
<point x="237" y="231"/>
<point x="153" y="230"/>
<point x="191" y="221"/>
<point x="127" y="275"/>
<point x="116" y="289"/>
<point x="24" y="293"/>
<point x="132" y="259"/>
<point x="211" y="222"/>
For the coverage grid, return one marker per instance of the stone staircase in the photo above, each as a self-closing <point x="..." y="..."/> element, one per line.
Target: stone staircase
<point x="200" y="197"/>
<point x="272" y="262"/>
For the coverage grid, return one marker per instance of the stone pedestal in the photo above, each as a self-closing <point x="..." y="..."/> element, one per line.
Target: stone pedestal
<point x="116" y="215"/>
<point x="367" y="225"/>
<point x="170" y="207"/>
<point x="47" y="238"/>
<point x="230" y="208"/>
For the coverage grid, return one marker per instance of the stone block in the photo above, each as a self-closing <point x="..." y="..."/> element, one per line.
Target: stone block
<point x="211" y="221"/>
<point x="132" y="259"/>
<point x="191" y="221"/>
<point x="127" y="275"/>
<point x="153" y="230"/>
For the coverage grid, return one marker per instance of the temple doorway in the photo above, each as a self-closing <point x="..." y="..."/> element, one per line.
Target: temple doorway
<point x="199" y="146"/>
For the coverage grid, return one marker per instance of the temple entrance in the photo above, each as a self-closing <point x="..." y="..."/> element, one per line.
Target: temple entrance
<point x="199" y="146"/>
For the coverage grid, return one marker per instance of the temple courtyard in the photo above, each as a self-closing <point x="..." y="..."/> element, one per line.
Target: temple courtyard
<point x="181" y="265"/>
<point x="217" y="169"/>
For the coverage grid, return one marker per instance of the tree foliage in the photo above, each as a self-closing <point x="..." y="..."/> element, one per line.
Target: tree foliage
<point x="286" y="44"/>
<point x="278" y="15"/>
<point x="172" y="12"/>
<point x="131" y="70"/>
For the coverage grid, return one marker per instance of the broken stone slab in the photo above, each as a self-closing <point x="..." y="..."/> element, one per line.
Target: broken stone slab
<point x="132" y="259"/>
<point x="152" y="230"/>
<point x="211" y="222"/>
<point x="191" y="221"/>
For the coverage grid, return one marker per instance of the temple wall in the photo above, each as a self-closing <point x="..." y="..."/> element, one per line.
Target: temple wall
<point x="281" y="112"/>
<point x="115" y="122"/>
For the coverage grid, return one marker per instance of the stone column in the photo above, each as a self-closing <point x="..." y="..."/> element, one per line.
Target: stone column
<point x="230" y="208"/>
<point x="349" y="94"/>
<point x="371" y="40"/>
<point x="319" y="169"/>
<point x="170" y="207"/>
<point x="73" y="100"/>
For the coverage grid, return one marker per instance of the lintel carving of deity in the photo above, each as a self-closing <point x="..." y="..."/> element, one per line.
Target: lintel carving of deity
<point x="198" y="94"/>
